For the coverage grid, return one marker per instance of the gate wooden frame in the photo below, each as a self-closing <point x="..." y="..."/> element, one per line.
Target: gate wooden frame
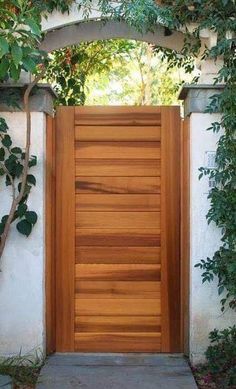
<point x="60" y="187"/>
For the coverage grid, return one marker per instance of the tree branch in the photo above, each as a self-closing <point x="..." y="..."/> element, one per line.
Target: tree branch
<point x="17" y="199"/>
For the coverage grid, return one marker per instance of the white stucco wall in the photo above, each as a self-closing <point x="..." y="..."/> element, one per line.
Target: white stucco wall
<point x="205" y="313"/>
<point x="22" y="277"/>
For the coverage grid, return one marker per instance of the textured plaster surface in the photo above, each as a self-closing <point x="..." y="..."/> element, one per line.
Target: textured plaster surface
<point x="22" y="276"/>
<point x="205" y="313"/>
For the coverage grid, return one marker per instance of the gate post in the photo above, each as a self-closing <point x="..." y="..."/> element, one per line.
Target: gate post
<point x="22" y="279"/>
<point x="201" y="304"/>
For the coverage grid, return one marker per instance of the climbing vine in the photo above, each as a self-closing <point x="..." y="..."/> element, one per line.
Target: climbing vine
<point x="20" y="34"/>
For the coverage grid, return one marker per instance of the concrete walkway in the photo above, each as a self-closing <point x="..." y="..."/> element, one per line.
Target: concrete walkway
<point x="116" y="371"/>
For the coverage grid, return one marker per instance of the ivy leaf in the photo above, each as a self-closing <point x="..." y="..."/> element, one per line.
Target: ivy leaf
<point x="31" y="179"/>
<point x="33" y="161"/>
<point x="8" y="181"/>
<point x="4" y="219"/>
<point x="6" y="141"/>
<point x="2" y="154"/>
<point x="18" y="170"/>
<point x="21" y="210"/>
<point x="2" y="226"/>
<point x="24" y="227"/>
<point x="3" y="125"/>
<point x="31" y="217"/>
<point x="17" y="54"/>
<point x="4" y="47"/>
<point x="16" y="150"/>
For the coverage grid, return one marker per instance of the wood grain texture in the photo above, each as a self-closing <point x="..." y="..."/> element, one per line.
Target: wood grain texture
<point x="117" y="307"/>
<point x="118" y="229"/>
<point x="50" y="238"/>
<point x="170" y="228"/>
<point x="118" y="167"/>
<point x="118" y="185"/>
<point x="118" y="324"/>
<point x="118" y="219"/>
<point x="114" y="272"/>
<point x="118" y="237"/>
<point x="118" y="289"/>
<point x="118" y="133"/>
<point x="118" y="203"/>
<point x="118" y="150"/>
<point x="87" y="254"/>
<point x="65" y="228"/>
<point x="117" y="116"/>
<point x="118" y="342"/>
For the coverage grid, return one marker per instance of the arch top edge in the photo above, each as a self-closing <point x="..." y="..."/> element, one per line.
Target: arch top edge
<point x="94" y="29"/>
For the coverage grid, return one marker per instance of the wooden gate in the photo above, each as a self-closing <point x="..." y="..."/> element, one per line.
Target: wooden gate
<point x="117" y="229"/>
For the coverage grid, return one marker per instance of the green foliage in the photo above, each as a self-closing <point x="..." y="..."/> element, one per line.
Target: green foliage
<point x="140" y="76"/>
<point x="11" y="167"/>
<point x="70" y="68"/>
<point x="221" y="356"/>
<point x="24" y="369"/>
<point x="20" y="26"/>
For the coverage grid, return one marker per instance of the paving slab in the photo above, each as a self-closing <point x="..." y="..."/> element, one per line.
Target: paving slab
<point x="116" y="371"/>
<point x="5" y="382"/>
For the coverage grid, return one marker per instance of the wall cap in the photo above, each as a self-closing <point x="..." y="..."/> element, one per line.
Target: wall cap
<point x="41" y="99"/>
<point x="197" y="96"/>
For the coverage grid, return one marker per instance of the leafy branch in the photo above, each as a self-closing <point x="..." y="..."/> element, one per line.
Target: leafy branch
<point x="15" y="170"/>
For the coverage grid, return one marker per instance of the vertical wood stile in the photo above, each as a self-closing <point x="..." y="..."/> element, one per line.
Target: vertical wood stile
<point x="65" y="228"/>
<point x="170" y="228"/>
<point x="50" y="237"/>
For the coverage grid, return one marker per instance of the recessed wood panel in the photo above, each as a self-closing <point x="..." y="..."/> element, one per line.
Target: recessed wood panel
<point x="118" y="167"/>
<point x="116" y="185"/>
<point x="118" y="133"/>
<point x="117" y="324"/>
<point x="118" y="203"/>
<point x="117" y="219"/>
<point x="118" y="150"/>
<point x="91" y="254"/>
<point x="118" y="237"/>
<point x="123" y="272"/>
<point x="119" y="307"/>
<point x="118" y="342"/>
<point x="117" y="289"/>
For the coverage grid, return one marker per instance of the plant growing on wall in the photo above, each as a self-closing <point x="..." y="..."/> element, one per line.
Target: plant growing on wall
<point x="19" y="38"/>
<point x="20" y="33"/>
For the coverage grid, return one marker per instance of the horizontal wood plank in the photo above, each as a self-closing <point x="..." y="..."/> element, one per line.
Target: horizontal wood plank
<point x="118" y="342"/>
<point x="117" y="289"/>
<point x="118" y="116"/>
<point x="117" y="272"/>
<point x="118" y="167"/>
<point x="118" y="185"/>
<point x="119" y="307"/>
<point x="114" y="202"/>
<point x="118" y="133"/>
<point x="118" y="219"/>
<point x="118" y="150"/>
<point x="87" y="254"/>
<point x="117" y="323"/>
<point x="118" y="237"/>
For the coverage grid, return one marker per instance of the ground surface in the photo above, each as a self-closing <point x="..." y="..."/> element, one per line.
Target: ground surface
<point x="116" y="371"/>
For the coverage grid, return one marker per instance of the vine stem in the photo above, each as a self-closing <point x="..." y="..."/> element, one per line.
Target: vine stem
<point x="17" y="199"/>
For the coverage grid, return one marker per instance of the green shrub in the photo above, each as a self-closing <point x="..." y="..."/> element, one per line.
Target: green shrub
<point x="221" y="356"/>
